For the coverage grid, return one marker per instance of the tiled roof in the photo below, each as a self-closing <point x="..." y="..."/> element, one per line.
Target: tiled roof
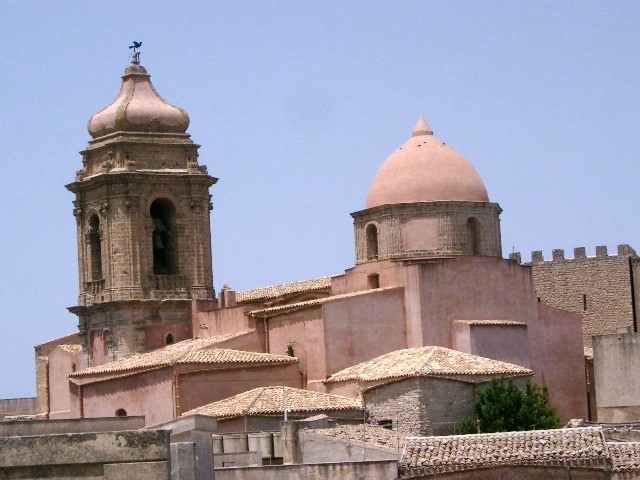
<point x="580" y="447"/>
<point x="274" y="291"/>
<point x="221" y="355"/>
<point x="625" y="456"/>
<point x="273" y="400"/>
<point x="375" y="435"/>
<point x="197" y="350"/>
<point x="71" y="348"/>
<point x="492" y="322"/>
<point x="426" y="361"/>
<point x="291" y="307"/>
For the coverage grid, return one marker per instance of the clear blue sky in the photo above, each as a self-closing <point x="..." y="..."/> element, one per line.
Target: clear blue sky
<point x="296" y="104"/>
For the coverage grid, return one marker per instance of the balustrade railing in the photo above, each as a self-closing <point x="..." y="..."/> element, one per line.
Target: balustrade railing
<point x="169" y="282"/>
<point x="94" y="287"/>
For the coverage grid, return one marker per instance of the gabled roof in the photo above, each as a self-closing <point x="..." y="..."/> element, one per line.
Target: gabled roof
<point x="583" y="447"/>
<point x="274" y="291"/>
<point x="292" y="307"/>
<point x="274" y="400"/>
<point x="197" y="350"/>
<point x="423" y="362"/>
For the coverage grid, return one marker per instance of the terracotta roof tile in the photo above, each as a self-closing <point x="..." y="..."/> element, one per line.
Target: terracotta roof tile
<point x="197" y="350"/>
<point x="291" y="307"/>
<point x="372" y="434"/>
<point x="426" y="361"/>
<point x="625" y="456"/>
<point x="71" y="348"/>
<point x="492" y="322"/>
<point x="221" y="355"/>
<point x="273" y="291"/>
<point x="273" y="400"/>
<point x="584" y="447"/>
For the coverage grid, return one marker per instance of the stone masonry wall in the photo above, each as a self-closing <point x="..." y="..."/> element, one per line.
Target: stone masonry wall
<point x="450" y="221"/>
<point x="598" y="288"/>
<point x="421" y="406"/>
<point x="96" y="456"/>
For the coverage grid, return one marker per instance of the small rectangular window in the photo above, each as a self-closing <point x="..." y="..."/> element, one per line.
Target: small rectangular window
<point x="388" y="424"/>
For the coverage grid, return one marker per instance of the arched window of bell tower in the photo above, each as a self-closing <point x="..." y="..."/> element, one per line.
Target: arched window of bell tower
<point x="372" y="242"/>
<point x="473" y="236"/>
<point x="95" y="248"/>
<point x="165" y="259"/>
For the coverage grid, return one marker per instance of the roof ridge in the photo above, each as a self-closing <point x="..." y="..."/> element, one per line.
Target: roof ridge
<point x="287" y="283"/>
<point x="427" y="359"/>
<point x="319" y="301"/>
<point x="253" y="401"/>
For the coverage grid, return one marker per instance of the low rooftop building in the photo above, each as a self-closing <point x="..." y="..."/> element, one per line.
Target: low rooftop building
<point x="264" y="408"/>
<point x="421" y="391"/>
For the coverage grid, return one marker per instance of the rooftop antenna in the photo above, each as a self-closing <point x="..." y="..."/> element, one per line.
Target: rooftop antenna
<point x="284" y="402"/>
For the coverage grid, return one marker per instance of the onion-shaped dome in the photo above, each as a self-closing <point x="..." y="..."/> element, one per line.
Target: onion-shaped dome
<point x="138" y="108"/>
<point x="425" y="170"/>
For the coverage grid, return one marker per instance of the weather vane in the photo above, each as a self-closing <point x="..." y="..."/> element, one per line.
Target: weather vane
<point x="135" y="56"/>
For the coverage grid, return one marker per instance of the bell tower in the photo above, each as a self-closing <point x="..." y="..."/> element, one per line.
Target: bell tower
<point x="142" y="207"/>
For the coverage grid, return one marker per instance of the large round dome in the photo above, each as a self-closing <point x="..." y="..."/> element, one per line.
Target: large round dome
<point x="425" y="170"/>
<point x="138" y="108"/>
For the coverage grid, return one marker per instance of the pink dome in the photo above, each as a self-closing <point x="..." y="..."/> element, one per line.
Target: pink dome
<point x="425" y="170"/>
<point x="138" y="108"/>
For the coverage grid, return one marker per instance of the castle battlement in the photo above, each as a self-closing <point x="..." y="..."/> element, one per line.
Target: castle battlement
<point x="579" y="254"/>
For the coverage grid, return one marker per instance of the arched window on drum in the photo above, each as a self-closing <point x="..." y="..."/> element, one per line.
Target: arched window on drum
<point x="372" y="242"/>
<point x="473" y="236"/>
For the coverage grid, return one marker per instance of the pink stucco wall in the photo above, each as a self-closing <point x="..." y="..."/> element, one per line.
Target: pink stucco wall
<point x="470" y="288"/>
<point x="440" y="291"/>
<point x="153" y="394"/>
<point x="61" y="364"/>
<point x="557" y="359"/>
<point x="150" y="395"/>
<point x="199" y="388"/>
<point x="340" y="333"/>
<point x="249" y="342"/>
<point x="486" y="288"/>
<point x="356" y="279"/>
<point x="305" y="332"/>
<point x="509" y="343"/>
<point x="210" y="322"/>
<point x="45" y="348"/>
<point x="360" y="328"/>
<point x="155" y="335"/>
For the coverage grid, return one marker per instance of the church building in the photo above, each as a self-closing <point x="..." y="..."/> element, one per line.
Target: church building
<point x="155" y="339"/>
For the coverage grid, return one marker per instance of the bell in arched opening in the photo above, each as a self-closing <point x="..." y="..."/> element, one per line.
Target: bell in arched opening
<point x="164" y="237"/>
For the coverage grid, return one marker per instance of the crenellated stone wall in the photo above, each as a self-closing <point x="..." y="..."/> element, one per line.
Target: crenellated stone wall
<point x="602" y="288"/>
